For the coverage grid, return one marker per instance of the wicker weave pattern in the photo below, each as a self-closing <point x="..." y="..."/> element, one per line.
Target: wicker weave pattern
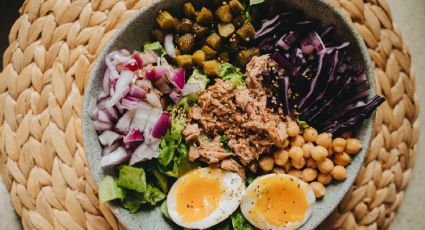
<point x="52" y="46"/>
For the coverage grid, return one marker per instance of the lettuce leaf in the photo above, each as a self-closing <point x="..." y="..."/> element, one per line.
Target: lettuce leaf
<point x="132" y="178"/>
<point x="171" y="141"/>
<point x="239" y="222"/>
<point x="228" y="72"/>
<point x="200" y="78"/>
<point x="108" y="190"/>
<point x="161" y="180"/>
<point x="154" y="46"/>
<point x="134" y="200"/>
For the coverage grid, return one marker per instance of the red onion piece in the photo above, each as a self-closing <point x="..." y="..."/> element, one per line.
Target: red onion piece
<point x="102" y="126"/>
<point x="131" y="65"/>
<point x="123" y="124"/>
<point x="148" y="57"/>
<point x="153" y="99"/>
<point x="102" y="116"/>
<point x="162" y="85"/>
<point x="169" y="46"/>
<point x="145" y="152"/>
<point x="129" y="103"/>
<point x="109" y="149"/>
<point x="141" y="117"/>
<point x="154" y="73"/>
<point x="162" y="125"/>
<point x="177" y="77"/>
<point x="138" y="59"/>
<point x="137" y="92"/>
<point x="119" y="156"/>
<point x="112" y="113"/>
<point x="122" y="87"/>
<point x="191" y="88"/>
<point x="105" y="82"/>
<point x="108" y="137"/>
<point x="175" y="96"/>
<point x="134" y="136"/>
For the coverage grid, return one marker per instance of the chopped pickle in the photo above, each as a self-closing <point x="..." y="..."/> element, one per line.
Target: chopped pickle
<point x="226" y="29"/>
<point x="198" y="57"/>
<point x="214" y="41"/>
<point x="246" y="32"/>
<point x="184" y="61"/>
<point x="212" y="68"/>
<point x="209" y="52"/>
<point x="204" y="16"/>
<point x="223" y="57"/>
<point x="185" y="26"/>
<point x="165" y="20"/>
<point x="199" y="30"/>
<point x="186" y="43"/>
<point x="235" y="42"/>
<point x="236" y="6"/>
<point x="224" y="13"/>
<point x="239" y="21"/>
<point x="244" y="56"/>
<point x="189" y="10"/>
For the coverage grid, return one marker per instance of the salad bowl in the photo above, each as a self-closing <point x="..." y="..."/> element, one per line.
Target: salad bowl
<point x="137" y="30"/>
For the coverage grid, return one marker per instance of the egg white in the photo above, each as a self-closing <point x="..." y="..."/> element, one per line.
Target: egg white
<point x="261" y="223"/>
<point x="233" y="190"/>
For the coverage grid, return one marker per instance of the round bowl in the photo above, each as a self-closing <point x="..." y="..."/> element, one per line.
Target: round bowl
<point x="137" y="30"/>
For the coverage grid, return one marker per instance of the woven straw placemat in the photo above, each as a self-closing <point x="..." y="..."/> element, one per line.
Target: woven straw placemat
<point x="52" y="47"/>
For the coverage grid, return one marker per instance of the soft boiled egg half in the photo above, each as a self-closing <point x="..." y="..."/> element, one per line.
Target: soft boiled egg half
<point x="204" y="197"/>
<point x="278" y="202"/>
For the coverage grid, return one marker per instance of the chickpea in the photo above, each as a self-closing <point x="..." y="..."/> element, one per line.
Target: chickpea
<point x="298" y="164"/>
<point x="325" y="140"/>
<point x="296" y="153"/>
<point x="311" y="163"/>
<point x="266" y="163"/>
<point x="279" y="170"/>
<point x="353" y="146"/>
<point x="287" y="166"/>
<point x="338" y="144"/>
<point x="339" y="173"/>
<point x="319" y="153"/>
<point x="307" y="149"/>
<point x="342" y="159"/>
<point x="324" y="178"/>
<point x="310" y="134"/>
<point x="309" y="174"/>
<point x="326" y="166"/>
<point x="292" y="129"/>
<point x="318" y="189"/>
<point x="296" y="173"/>
<point x="280" y="157"/>
<point x="297" y="141"/>
<point x="253" y="167"/>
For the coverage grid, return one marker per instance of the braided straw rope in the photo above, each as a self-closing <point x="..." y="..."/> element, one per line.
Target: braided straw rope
<point x="52" y="47"/>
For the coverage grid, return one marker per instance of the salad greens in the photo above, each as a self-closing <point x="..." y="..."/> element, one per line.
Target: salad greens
<point x="239" y="222"/>
<point x="132" y="178"/>
<point x="108" y="190"/>
<point x="154" y="46"/>
<point x="229" y="72"/>
<point x="171" y="141"/>
<point x="200" y="78"/>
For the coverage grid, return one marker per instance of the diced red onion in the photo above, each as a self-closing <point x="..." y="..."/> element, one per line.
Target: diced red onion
<point x="137" y="92"/>
<point x="112" y="67"/>
<point x="112" y="113"/>
<point x="119" y="156"/>
<point x="138" y="59"/>
<point x="154" y="73"/>
<point x="105" y="82"/>
<point x="101" y="126"/>
<point x="123" y="124"/>
<point x="169" y="46"/>
<point x="153" y="99"/>
<point x="162" y="85"/>
<point x="122" y="87"/>
<point x="129" y="103"/>
<point x="102" y="116"/>
<point x="108" y="137"/>
<point x="141" y="117"/>
<point x="134" y="136"/>
<point x="162" y="125"/>
<point x="131" y="65"/>
<point x="109" y="149"/>
<point x="175" y="96"/>
<point x="177" y="77"/>
<point x="145" y="152"/>
<point x="148" y="57"/>
<point x="191" y="88"/>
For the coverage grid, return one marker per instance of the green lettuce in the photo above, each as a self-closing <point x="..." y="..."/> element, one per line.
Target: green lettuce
<point x="161" y="180"/>
<point x="132" y="178"/>
<point x="154" y="46"/>
<point x="228" y="72"/>
<point x="108" y="190"/>
<point x="134" y="200"/>
<point x="171" y="141"/>
<point x="200" y="78"/>
<point x="185" y="103"/>
<point x="164" y="209"/>
<point x="239" y="222"/>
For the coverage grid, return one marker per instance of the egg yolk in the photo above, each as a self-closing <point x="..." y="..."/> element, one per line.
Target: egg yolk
<point x="197" y="197"/>
<point x="280" y="200"/>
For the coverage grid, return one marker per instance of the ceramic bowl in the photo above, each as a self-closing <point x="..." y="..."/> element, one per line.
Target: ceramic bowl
<point x="137" y="30"/>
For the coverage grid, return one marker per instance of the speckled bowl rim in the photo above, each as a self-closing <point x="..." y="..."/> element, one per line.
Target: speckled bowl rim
<point x="338" y="190"/>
